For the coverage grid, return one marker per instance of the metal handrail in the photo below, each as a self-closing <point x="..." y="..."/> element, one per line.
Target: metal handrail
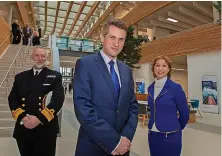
<point x="6" y="39"/>
<point x="14" y="60"/>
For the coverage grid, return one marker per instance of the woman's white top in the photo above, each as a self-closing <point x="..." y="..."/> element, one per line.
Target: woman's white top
<point x="158" y="86"/>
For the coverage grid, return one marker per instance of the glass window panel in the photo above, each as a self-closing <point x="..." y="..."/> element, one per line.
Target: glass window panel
<point x="79" y="23"/>
<point x="72" y="15"/>
<point x="49" y="29"/>
<point x="75" y="8"/>
<point x="86" y="9"/>
<point x="60" y="20"/>
<point x="41" y="11"/>
<point x="69" y="21"/>
<point x="90" y="3"/>
<point x="51" y="12"/>
<point x="39" y="3"/>
<point x="50" y="24"/>
<point x="68" y="26"/>
<point x="51" y="19"/>
<point x="64" y="6"/>
<point x="76" y="27"/>
<point x="52" y="4"/>
<point x="62" y="13"/>
<point x="82" y="17"/>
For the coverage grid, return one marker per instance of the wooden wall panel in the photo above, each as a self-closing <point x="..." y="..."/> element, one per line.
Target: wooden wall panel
<point x="5" y="32"/>
<point x="205" y="38"/>
<point x="23" y="11"/>
<point x="142" y="10"/>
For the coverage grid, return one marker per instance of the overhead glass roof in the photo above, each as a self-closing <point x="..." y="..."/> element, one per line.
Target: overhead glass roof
<point x="66" y="18"/>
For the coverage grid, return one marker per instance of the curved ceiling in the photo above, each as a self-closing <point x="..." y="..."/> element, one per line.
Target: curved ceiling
<point x="76" y="19"/>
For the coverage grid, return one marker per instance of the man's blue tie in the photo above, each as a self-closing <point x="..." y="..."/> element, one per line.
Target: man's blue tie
<point x="114" y="78"/>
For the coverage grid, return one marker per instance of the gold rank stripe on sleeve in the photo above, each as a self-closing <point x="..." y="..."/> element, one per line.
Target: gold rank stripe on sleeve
<point x="17" y="112"/>
<point x="48" y="113"/>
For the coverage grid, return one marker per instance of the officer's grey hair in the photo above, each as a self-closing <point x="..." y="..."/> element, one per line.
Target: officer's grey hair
<point x="39" y="47"/>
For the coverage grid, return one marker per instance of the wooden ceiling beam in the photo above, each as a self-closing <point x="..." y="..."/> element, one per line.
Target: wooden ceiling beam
<point x="23" y="11"/>
<point x="142" y="10"/>
<point x="30" y="3"/>
<point x="91" y="11"/>
<point x="183" y="25"/>
<point x="106" y="13"/>
<point x="166" y="25"/>
<point x="203" y="8"/>
<point x="184" y="19"/>
<point x="195" y="15"/>
<point x="60" y="9"/>
<point x="83" y="4"/>
<point x="46" y="12"/>
<point x="66" y="18"/>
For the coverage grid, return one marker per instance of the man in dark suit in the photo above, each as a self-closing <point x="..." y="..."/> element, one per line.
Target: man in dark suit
<point x="104" y="99"/>
<point x="15" y="31"/>
<point x="37" y="124"/>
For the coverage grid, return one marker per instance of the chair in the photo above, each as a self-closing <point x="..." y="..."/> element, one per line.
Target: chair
<point x="143" y="113"/>
<point x="195" y="105"/>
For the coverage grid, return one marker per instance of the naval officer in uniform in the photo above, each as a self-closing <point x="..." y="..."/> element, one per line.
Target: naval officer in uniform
<point x="37" y="124"/>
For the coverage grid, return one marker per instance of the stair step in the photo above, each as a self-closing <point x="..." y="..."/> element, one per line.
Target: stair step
<point x="6" y="131"/>
<point x="3" y="100"/>
<point x="5" y="114"/>
<point x="7" y="122"/>
<point x="3" y="89"/>
<point x="4" y="107"/>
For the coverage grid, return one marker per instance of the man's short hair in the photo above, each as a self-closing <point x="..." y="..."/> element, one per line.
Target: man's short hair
<point x="115" y="22"/>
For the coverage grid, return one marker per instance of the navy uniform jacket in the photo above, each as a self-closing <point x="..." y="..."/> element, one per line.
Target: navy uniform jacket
<point x="171" y="100"/>
<point x="27" y="96"/>
<point x="102" y="124"/>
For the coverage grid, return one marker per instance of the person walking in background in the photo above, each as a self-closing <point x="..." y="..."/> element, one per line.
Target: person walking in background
<point x="27" y="33"/>
<point x="165" y="99"/>
<point x="15" y="29"/>
<point x="104" y="99"/>
<point x="70" y="88"/>
<point x="37" y="124"/>
<point x="35" y="39"/>
<point x="40" y="33"/>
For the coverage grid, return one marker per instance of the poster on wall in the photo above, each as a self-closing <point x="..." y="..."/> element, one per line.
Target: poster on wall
<point x="209" y="94"/>
<point x="140" y="86"/>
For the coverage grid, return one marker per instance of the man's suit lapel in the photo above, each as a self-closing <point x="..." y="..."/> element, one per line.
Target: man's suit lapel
<point x="103" y="68"/>
<point x="122" y="79"/>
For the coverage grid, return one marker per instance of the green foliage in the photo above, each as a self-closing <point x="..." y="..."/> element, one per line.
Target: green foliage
<point x="217" y="5"/>
<point x="130" y="54"/>
<point x="131" y="50"/>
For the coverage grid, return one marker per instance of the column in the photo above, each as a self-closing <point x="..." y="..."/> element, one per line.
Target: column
<point x="50" y="41"/>
<point x="9" y="20"/>
<point x="151" y="33"/>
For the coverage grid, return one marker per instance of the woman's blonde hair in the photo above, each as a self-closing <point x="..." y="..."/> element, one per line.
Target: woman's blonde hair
<point x="168" y="62"/>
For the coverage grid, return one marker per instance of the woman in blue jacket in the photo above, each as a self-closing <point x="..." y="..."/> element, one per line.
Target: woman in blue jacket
<point x="169" y="111"/>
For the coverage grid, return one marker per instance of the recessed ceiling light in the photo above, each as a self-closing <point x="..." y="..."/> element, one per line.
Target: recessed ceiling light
<point x="30" y="12"/>
<point x="172" y="20"/>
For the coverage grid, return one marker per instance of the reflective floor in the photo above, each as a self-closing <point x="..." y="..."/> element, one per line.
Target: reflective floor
<point x="200" y="139"/>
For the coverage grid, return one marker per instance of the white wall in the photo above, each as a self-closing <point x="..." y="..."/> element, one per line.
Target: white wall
<point x="144" y="73"/>
<point x="199" y="65"/>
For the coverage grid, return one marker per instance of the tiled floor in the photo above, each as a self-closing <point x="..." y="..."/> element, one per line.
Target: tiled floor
<point x="200" y="139"/>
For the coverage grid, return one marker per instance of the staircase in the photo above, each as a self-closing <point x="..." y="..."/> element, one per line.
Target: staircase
<point x="6" y="120"/>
